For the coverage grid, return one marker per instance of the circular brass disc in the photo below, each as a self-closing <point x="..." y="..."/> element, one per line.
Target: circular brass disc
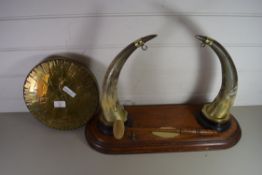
<point x="61" y="93"/>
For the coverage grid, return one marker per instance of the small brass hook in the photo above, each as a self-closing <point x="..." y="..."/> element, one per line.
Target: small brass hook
<point x="144" y="47"/>
<point x="141" y="44"/>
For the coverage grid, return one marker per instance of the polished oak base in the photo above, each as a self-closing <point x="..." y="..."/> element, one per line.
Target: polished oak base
<point x="143" y="120"/>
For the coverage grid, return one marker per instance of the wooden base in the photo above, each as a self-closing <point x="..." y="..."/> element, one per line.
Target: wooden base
<point x="141" y="140"/>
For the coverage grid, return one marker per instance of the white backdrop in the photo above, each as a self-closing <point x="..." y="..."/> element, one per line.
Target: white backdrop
<point x="175" y="69"/>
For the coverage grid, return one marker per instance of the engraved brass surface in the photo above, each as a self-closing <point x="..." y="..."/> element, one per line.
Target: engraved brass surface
<point x="219" y="109"/>
<point x="61" y="93"/>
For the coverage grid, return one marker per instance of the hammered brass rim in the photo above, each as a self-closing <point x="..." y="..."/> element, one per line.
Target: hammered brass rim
<point x="61" y="93"/>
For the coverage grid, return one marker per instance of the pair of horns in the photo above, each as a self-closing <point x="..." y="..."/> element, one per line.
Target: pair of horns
<point x="217" y="112"/>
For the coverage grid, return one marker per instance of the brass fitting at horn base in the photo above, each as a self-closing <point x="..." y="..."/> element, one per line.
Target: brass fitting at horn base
<point x="216" y="115"/>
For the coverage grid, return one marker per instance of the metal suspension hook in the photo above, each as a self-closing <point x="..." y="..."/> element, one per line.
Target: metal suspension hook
<point x="203" y="45"/>
<point x="141" y="44"/>
<point x="144" y="47"/>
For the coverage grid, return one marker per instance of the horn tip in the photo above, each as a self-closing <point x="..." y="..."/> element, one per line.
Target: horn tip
<point x="149" y="37"/>
<point x="201" y="37"/>
<point x="205" y="40"/>
<point x="154" y="35"/>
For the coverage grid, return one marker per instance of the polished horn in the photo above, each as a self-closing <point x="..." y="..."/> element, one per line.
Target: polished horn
<point x="216" y="115"/>
<point x="114" y="115"/>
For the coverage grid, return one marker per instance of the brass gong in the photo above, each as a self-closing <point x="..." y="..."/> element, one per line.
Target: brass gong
<point x="61" y="93"/>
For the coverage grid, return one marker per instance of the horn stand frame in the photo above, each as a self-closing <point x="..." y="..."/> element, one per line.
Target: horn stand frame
<point x="155" y="116"/>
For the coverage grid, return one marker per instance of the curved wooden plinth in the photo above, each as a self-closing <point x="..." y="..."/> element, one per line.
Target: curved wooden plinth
<point x="141" y="140"/>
